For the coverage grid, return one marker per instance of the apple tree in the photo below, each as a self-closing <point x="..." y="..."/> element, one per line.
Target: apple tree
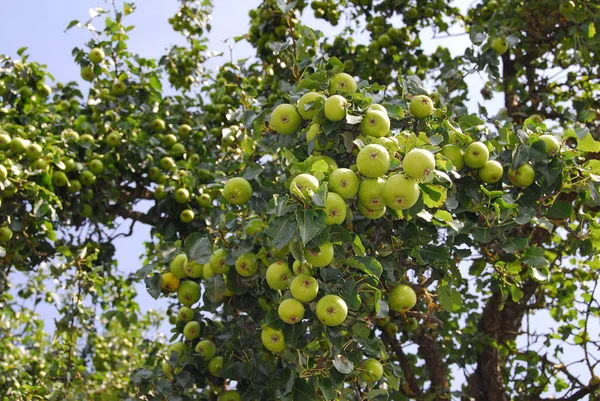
<point x="330" y="218"/>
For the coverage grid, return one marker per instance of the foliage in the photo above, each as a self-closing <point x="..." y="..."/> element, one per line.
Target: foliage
<point x="481" y="253"/>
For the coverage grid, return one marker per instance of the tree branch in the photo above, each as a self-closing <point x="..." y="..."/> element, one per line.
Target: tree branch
<point x="438" y="371"/>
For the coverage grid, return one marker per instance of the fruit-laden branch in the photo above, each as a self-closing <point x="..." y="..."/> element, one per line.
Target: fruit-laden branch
<point x="578" y="395"/>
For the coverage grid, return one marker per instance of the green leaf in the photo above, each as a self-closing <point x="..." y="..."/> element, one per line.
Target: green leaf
<point x="153" y="285"/>
<point x="591" y="30"/>
<point x="484" y="235"/>
<point x="198" y="248"/>
<point x="327" y="387"/>
<point x="449" y="298"/>
<point x="310" y="223"/>
<point x="534" y="257"/>
<point x="155" y="83"/>
<point x="292" y="332"/>
<point x="343" y="364"/>
<point x="370" y="266"/>
<point x="214" y="289"/>
<point x="559" y="210"/>
<point x="541" y="275"/>
<point x="71" y="24"/>
<point x="167" y="251"/>
<point x="285" y="6"/>
<point x="515" y="293"/>
<point x="303" y="391"/>
<point x="513" y="245"/>
<point x="281" y="230"/>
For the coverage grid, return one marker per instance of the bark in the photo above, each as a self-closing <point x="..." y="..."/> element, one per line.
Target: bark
<point x="436" y="366"/>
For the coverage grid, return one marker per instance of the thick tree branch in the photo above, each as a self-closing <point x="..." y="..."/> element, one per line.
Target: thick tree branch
<point x="436" y="366"/>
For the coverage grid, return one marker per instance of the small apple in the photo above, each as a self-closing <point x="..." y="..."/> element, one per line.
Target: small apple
<point x="301" y="268"/>
<point x="246" y="264"/>
<point x="169" y="282"/>
<point x="207" y="271"/>
<point x="204" y="200"/>
<point x="370" y="193"/>
<point x="229" y="395"/>
<point x="193" y="269"/>
<point x="375" y="123"/>
<point x="177" y="347"/>
<point x="6" y="234"/>
<point x="391" y="330"/>
<point x="18" y="145"/>
<point x="335" y="108"/>
<point x="191" y="331"/>
<point x="567" y="7"/>
<point x="184" y="130"/>
<point x="96" y="55"/>
<point x="96" y="166"/>
<point x="188" y="292"/>
<point x="158" y="125"/>
<point x="421" y="106"/>
<point x="418" y="164"/>
<point x="303" y="186"/>
<point x="113" y="139"/>
<point x="254" y="227"/>
<point x="522" y="177"/>
<point x="186" y="216"/>
<point x="335" y="207"/>
<point x="285" y="120"/>
<point x="291" y="311"/>
<point x="86" y="211"/>
<point x="4" y="140"/>
<point x="59" y="179"/>
<point x="87" y="73"/>
<point x="308" y="105"/>
<point x="177" y="265"/>
<point x="372" y="370"/>
<point x="400" y="192"/>
<point x="304" y="288"/>
<point x="167" y="163"/>
<point x="185" y="314"/>
<point x="278" y="275"/>
<point x="476" y="155"/>
<point x="342" y="83"/>
<point x="320" y="257"/>
<point x="455" y="154"/>
<point x="373" y="161"/>
<point x="344" y="182"/>
<point x="332" y="310"/>
<point x="34" y="151"/>
<point x="3" y="173"/>
<point x="169" y="139"/>
<point x="74" y="186"/>
<point x="552" y="144"/>
<point x="44" y="90"/>
<point x="206" y="349"/>
<point x="237" y="191"/>
<point x="402" y="298"/>
<point x="500" y="45"/>
<point x="119" y="88"/>
<point x="215" y="365"/>
<point x="218" y="261"/>
<point x="273" y="340"/>
<point x="491" y="172"/>
<point x="182" y="195"/>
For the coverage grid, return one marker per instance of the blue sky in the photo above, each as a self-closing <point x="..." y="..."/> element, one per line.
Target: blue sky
<point x="40" y="24"/>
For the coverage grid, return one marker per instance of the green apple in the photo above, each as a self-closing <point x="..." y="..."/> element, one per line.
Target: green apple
<point x="303" y="186"/>
<point x="87" y="73"/>
<point x="371" y="214"/>
<point x="522" y="177"/>
<point x="177" y="265"/>
<point x="332" y="310"/>
<point x="215" y="365"/>
<point x="169" y="282"/>
<point x="312" y="131"/>
<point x="207" y="271"/>
<point x="237" y="191"/>
<point x="26" y="92"/>
<point x="167" y="163"/>
<point x="218" y="261"/>
<point x="34" y="151"/>
<point x="182" y="195"/>
<point x="96" y="55"/>
<point x="184" y="130"/>
<point x="191" y="331"/>
<point x="301" y="268"/>
<point x="159" y="125"/>
<point x="185" y="314"/>
<point x="400" y="192"/>
<point x="118" y="88"/>
<point x="344" y="182"/>
<point x="567" y="7"/>
<point x="371" y="370"/>
<point x="291" y="311"/>
<point x="335" y="207"/>
<point x="308" y="105"/>
<point x="186" y="216"/>
<point x="391" y="330"/>
<point x="375" y="123"/>
<point x="205" y="200"/>
<point x="193" y="269"/>
<point x="44" y="90"/>
<point x="552" y="144"/>
<point x="491" y="172"/>
<point x="246" y="264"/>
<point x="113" y="139"/>
<point x="370" y="193"/>
<point x="74" y="186"/>
<point x="160" y="192"/>
<point x="411" y="324"/>
<point x="373" y="161"/>
<point x="320" y="257"/>
<point x="86" y="211"/>
<point x="419" y="164"/>
<point x="335" y="108"/>
<point x="500" y="45"/>
<point x="59" y="179"/>
<point x="304" y="288"/>
<point x="96" y="166"/>
<point x="206" y="350"/>
<point x="3" y="173"/>
<point x="278" y="275"/>
<point x="402" y="298"/>
<point x="6" y="234"/>
<point x="476" y="155"/>
<point x="273" y="339"/>
<point x="229" y="395"/>
<point x="18" y="145"/>
<point x="4" y="140"/>
<point x="177" y="347"/>
<point x="285" y="120"/>
<point x="188" y="292"/>
<point x="421" y="106"/>
<point x="455" y="154"/>
<point x="342" y="83"/>
<point x="254" y="227"/>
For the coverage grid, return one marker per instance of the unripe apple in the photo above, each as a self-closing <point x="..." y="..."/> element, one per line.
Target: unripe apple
<point x="229" y="395"/>
<point x="246" y="264"/>
<point x="74" y="186"/>
<point x="375" y="123"/>
<point x="335" y="207"/>
<point x="3" y="173"/>
<point x="291" y="311"/>
<point x="215" y="365"/>
<point x="188" y="292"/>
<point x="522" y="177"/>
<point x="285" y="120"/>
<point x="158" y="125"/>
<point x="59" y="179"/>
<point x="455" y="154"/>
<point x="491" y="172"/>
<point x="344" y="182"/>
<point x="500" y="45"/>
<point x="402" y="298"/>
<point x="400" y="192"/>
<point x="96" y="166"/>
<point x="342" y="83"/>
<point x="567" y="7"/>
<point x="169" y="282"/>
<point x="44" y="90"/>
<point x="6" y="234"/>
<point x="193" y="269"/>
<point x="4" y="140"/>
<point x="207" y="271"/>
<point x="370" y="193"/>
<point x="419" y="164"/>
<point x="335" y="108"/>
<point x="186" y="216"/>
<point x="372" y="370"/>
<point x="167" y="163"/>
<point x="371" y="214"/>
<point x="182" y="195"/>
<point x="237" y="191"/>
<point x="96" y="55"/>
<point x="320" y="257"/>
<point x="421" y="106"/>
<point x="205" y="200"/>
<point x="191" y="331"/>
<point x="308" y="105"/>
<point x="119" y="88"/>
<point x="278" y="275"/>
<point x="185" y="314"/>
<point x="218" y="261"/>
<point x="206" y="349"/>
<point x="303" y="186"/>
<point x="373" y="161"/>
<point x="87" y="73"/>
<point x="304" y="288"/>
<point x="476" y="155"/>
<point x="184" y="130"/>
<point x="34" y="151"/>
<point x="332" y="310"/>
<point x="113" y="139"/>
<point x="18" y="145"/>
<point x="552" y="144"/>
<point x="273" y="340"/>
